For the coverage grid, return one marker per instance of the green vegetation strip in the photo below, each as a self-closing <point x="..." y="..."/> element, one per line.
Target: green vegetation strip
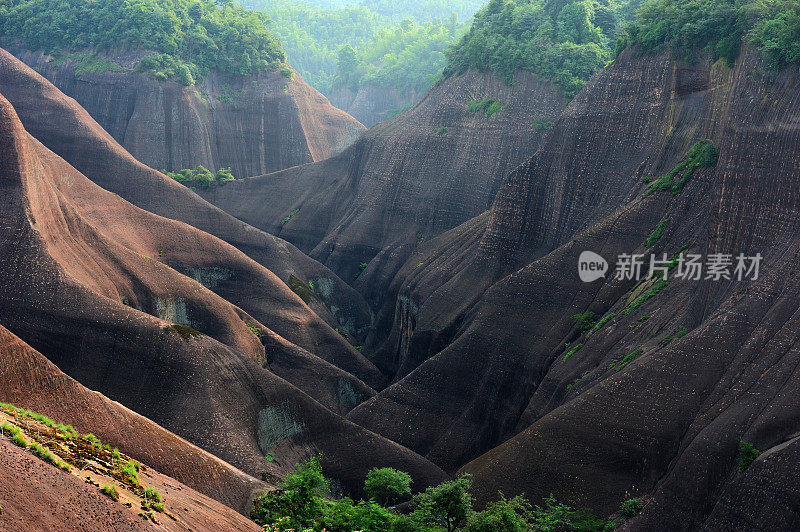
<point x="64" y="444"/>
<point x="702" y="155"/>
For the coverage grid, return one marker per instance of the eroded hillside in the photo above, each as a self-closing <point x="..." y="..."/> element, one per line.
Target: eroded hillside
<point x="112" y="309"/>
<point x="407" y="180"/>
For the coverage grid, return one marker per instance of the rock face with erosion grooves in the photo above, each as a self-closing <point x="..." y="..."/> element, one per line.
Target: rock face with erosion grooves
<point x="112" y="295"/>
<point x="67" y="129"/>
<point x="406" y="180"/>
<point x="254" y="125"/>
<point x="654" y="401"/>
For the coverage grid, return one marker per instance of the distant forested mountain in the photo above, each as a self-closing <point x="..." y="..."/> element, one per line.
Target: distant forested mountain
<point x="396" y="45"/>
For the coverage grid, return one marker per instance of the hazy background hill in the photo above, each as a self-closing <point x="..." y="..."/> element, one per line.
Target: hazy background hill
<point x="371" y="58"/>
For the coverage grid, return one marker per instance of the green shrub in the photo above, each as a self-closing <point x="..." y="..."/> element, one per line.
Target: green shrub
<point x="44" y="453"/>
<point x="346" y="516"/>
<point x="554" y="515"/>
<point x="448" y="503"/>
<point x="441" y="130"/>
<point x="291" y="215"/>
<point x="255" y="330"/>
<point x="153" y="495"/>
<point x="654" y="290"/>
<point x="287" y="73"/>
<point x="630" y="508"/>
<point x="627" y="359"/>
<point x="605" y="319"/>
<point x="16" y="437"/>
<point x="129" y="473"/>
<point x="585" y="321"/>
<point x="747" y="454"/>
<point x="299" y="497"/>
<point x="504" y="515"/>
<point x="223" y="176"/>
<point x="488" y="106"/>
<point x="387" y="485"/>
<point x="680" y="332"/>
<point x="111" y="491"/>
<point x="202" y="177"/>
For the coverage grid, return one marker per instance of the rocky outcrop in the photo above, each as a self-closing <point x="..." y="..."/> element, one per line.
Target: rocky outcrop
<point x="253" y="125"/>
<point x="163" y="318"/>
<point x="363" y="212"/>
<point x="371" y="104"/>
<point x="655" y="402"/>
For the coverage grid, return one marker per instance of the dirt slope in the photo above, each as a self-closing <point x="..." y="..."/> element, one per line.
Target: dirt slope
<point x="95" y="284"/>
<point x="254" y="125"/>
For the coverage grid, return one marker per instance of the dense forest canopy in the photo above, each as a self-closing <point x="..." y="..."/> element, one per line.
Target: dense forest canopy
<point x="568" y="41"/>
<point x="391" y="44"/>
<point x="191" y="37"/>
<point x="719" y="27"/>
<point x="564" y="41"/>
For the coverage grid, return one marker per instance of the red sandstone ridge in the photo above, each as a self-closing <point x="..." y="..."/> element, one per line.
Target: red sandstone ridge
<point x="405" y="181"/>
<point x="67" y="129"/>
<point x="254" y="125"/>
<point x="160" y="316"/>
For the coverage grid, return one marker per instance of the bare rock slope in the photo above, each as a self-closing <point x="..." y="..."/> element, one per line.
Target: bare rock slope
<point x="66" y="128"/>
<point x="405" y="181"/>
<point x="498" y="381"/>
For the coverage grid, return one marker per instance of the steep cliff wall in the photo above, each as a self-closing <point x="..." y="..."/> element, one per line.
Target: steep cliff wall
<point x="405" y="181"/>
<point x="254" y="125"/>
<point x="655" y="402"/>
